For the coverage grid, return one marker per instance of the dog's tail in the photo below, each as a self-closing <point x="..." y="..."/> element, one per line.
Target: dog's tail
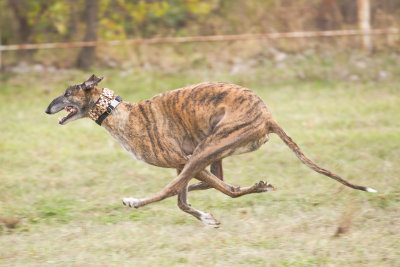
<point x="275" y="128"/>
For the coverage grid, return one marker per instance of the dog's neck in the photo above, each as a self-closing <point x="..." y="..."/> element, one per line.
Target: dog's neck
<point x="103" y="107"/>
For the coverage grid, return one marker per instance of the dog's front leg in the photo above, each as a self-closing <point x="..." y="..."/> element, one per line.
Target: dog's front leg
<point x="173" y="188"/>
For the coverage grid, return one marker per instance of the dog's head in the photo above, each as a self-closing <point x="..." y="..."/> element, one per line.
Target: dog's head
<point x="77" y="100"/>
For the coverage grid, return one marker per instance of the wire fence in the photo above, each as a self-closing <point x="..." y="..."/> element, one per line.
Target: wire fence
<point x="210" y="38"/>
<point x="194" y="39"/>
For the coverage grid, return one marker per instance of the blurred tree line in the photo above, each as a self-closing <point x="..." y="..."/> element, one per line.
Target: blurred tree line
<point x="28" y="21"/>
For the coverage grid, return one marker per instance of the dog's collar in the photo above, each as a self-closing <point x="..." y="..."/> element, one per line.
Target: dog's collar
<point x="104" y="106"/>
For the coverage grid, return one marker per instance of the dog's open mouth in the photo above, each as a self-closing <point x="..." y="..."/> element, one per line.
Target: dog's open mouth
<point x="71" y="112"/>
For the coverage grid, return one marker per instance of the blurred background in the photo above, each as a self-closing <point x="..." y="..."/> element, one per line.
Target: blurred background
<point x="329" y="70"/>
<point x="45" y="21"/>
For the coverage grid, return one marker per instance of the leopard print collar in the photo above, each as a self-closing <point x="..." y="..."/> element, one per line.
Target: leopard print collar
<point x="104" y="105"/>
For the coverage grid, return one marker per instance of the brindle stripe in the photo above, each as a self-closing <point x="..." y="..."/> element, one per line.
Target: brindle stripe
<point x="195" y="91"/>
<point x="175" y="98"/>
<point x="194" y="123"/>
<point x="223" y="134"/>
<point x="254" y="106"/>
<point x="239" y="100"/>
<point x="156" y="135"/>
<point x="171" y="110"/>
<point x="183" y="101"/>
<point x="203" y="99"/>
<point x="148" y="128"/>
<point x="198" y="132"/>
<point x="217" y="99"/>
<point x="165" y="108"/>
<point x="216" y="155"/>
<point x="179" y="154"/>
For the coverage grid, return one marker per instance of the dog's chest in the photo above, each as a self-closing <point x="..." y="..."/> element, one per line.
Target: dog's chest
<point x="117" y="126"/>
<point x="143" y="143"/>
<point x="128" y="146"/>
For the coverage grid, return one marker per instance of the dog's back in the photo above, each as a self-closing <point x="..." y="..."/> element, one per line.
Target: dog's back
<point x="201" y="108"/>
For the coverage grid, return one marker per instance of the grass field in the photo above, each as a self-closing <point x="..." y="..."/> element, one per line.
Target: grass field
<point x="60" y="186"/>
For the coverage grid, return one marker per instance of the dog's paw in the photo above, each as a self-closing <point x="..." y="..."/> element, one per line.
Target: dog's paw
<point x="264" y="187"/>
<point x="209" y="220"/>
<point x="131" y="202"/>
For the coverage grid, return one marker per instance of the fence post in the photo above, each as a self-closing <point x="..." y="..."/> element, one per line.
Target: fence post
<point x="364" y="23"/>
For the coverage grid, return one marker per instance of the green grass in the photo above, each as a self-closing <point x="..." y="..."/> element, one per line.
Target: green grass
<point x="64" y="183"/>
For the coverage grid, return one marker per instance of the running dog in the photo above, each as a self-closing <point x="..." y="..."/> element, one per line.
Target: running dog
<point x="186" y="129"/>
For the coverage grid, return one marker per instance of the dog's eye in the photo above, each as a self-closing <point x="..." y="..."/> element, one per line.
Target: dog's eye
<point x="67" y="93"/>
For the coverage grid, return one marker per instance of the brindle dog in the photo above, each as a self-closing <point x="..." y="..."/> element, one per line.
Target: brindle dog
<point x="187" y="129"/>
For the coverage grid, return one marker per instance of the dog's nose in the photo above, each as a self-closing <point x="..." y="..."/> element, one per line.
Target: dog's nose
<point x="48" y="110"/>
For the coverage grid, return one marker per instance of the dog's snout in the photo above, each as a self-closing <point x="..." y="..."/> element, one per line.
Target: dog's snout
<point x="54" y="106"/>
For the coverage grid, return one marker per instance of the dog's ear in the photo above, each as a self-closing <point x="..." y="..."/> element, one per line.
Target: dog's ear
<point x="91" y="82"/>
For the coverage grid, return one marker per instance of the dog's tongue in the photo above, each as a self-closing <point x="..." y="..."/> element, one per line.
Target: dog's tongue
<point x="71" y="111"/>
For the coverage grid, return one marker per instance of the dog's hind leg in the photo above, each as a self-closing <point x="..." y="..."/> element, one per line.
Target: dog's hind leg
<point x="216" y="169"/>
<point x="230" y="190"/>
<point x="183" y="204"/>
